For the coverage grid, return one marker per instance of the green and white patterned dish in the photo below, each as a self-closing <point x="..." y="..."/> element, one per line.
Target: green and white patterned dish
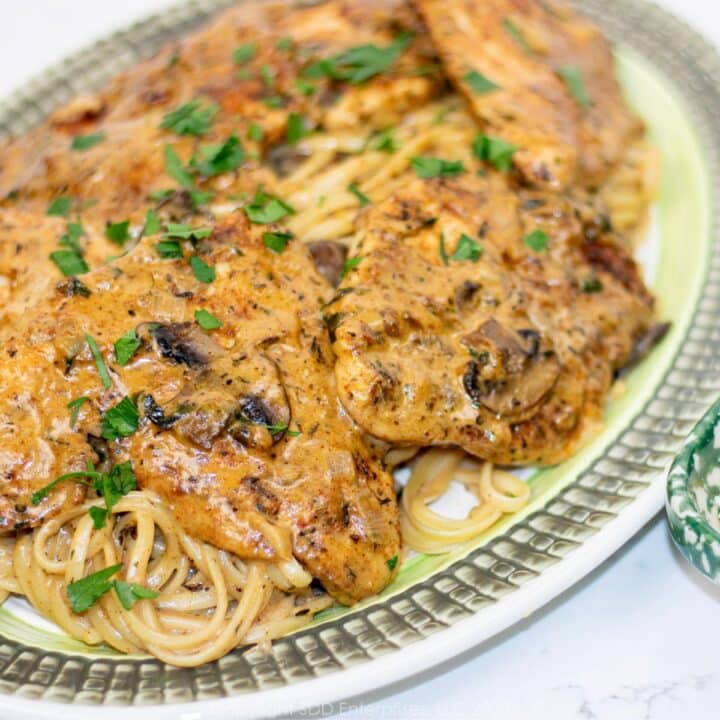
<point x="580" y="512"/>
<point x="693" y="496"/>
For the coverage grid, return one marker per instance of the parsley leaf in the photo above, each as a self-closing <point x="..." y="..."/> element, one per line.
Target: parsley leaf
<point x="573" y="78"/>
<point x="203" y="272"/>
<point x="362" y="198"/>
<point x="266" y="209"/>
<point x="84" y="593"/>
<point x="360" y="63"/>
<point x="295" y="128"/>
<point x="206" y="320"/>
<point x="201" y="197"/>
<point x="97" y="356"/>
<point x="441" y="249"/>
<point x="285" y="44"/>
<point x="479" y="84"/>
<point x="304" y="88"/>
<point x="494" y="150"/>
<point x="350" y="264"/>
<point x="244" y="53"/>
<point x="69" y="262"/>
<point x="190" y="119"/>
<point x="274" y="101"/>
<point x="185" y="232"/>
<point x="255" y="132"/>
<point x="118" y="232"/>
<point x="429" y="167"/>
<point x="98" y="515"/>
<point x="384" y="141"/>
<point x="592" y="284"/>
<point x="121" y="420"/>
<point x="175" y="169"/>
<point x="537" y="240"/>
<point x="517" y="34"/>
<point x="467" y="249"/>
<point x="85" y="142"/>
<point x="169" y="249"/>
<point x="129" y="593"/>
<point x="219" y="158"/>
<point x="392" y="562"/>
<point x="60" y="206"/>
<point x="277" y="241"/>
<point x="75" y="406"/>
<point x="126" y="347"/>
<point x="152" y="223"/>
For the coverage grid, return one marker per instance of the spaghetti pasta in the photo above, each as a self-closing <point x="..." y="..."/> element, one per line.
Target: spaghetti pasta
<point x="208" y="601"/>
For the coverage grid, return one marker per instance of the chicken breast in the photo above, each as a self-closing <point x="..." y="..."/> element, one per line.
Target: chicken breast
<point x="196" y="119"/>
<point x="479" y="318"/>
<point x="540" y="77"/>
<point x="238" y="427"/>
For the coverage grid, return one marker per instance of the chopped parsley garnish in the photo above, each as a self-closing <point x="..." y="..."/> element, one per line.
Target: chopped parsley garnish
<point x="175" y="169"/>
<point x="118" y="232"/>
<point x="277" y="241"/>
<point x="592" y="285"/>
<point x="84" y="593"/>
<point x="160" y="195"/>
<point x="274" y="101"/>
<point x="169" y="249"/>
<point x="304" y="88"/>
<point x="266" y="209"/>
<point x="285" y="44"/>
<point x="203" y="272"/>
<point x="152" y="223"/>
<point x="494" y="150"/>
<point x="99" y="362"/>
<point x="255" y="132"/>
<point x="129" y="593"/>
<point x="219" y="158"/>
<point x="295" y="128"/>
<point x="479" y="84"/>
<point x="75" y="406"/>
<point x="441" y="249"/>
<point x="362" y="198"/>
<point x="517" y="34"/>
<point x="280" y="427"/>
<point x="121" y="420"/>
<point x="201" y="197"/>
<point x="69" y="262"/>
<point x="206" y="320"/>
<point x="573" y="78"/>
<point x="126" y="347"/>
<point x="71" y="238"/>
<point x="350" y="264"/>
<point x="467" y="249"/>
<point x="59" y="207"/>
<point x="85" y="142"/>
<point x="429" y="167"/>
<point x="190" y="119"/>
<point x="392" y="562"/>
<point x="185" y="232"/>
<point x="267" y="74"/>
<point x="360" y="63"/>
<point x="384" y="141"/>
<point x="244" y="53"/>
<point x="537" y="240"/>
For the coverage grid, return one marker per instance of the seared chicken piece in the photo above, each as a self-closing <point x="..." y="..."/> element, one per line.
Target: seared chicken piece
<point x="260" y="75"/>
<point x="239" y="428"/>
<point x="539" y="76"/>
<point x="26" y="270"/>
<point x="480" y="319"/>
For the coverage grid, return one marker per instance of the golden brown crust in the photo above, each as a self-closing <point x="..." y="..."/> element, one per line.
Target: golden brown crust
<point x="507" y="357"/>
<point x="208" y="399"/>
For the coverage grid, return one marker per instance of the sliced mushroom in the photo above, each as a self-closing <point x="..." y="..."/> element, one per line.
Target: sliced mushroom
<point x="508" y="375"/>
<point x="183" y="343"/>
<point x="329" y="258"/>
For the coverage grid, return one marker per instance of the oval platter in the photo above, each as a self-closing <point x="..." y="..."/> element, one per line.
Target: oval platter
<point x="580" y="512"/>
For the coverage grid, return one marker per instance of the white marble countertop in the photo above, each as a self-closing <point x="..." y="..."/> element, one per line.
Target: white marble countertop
<point x="637" y="639"/>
